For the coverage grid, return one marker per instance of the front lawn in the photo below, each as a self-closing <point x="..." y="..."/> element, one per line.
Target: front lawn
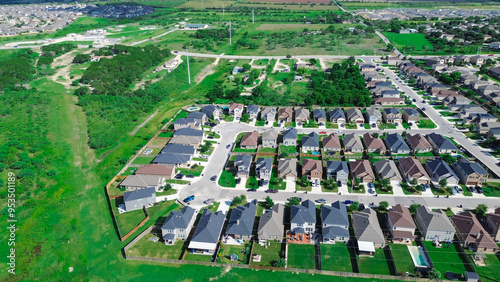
<point x="274" y="183"/>
<point x="269" y="254"/>
<point x="241" y="251"/>
<point x="331" y="125"/>
<point x="252" y="182"/>
<point x="445" y="258"/>
<point x="227" y="179"/>
<point x="146" y="248"/>
<point x="387" y="126"/>
<point x="143" y="160"/>
<point x="260" y="123"/>
<point x="196" y="170"/>
<point x="335" y="257"/>
<point x="426" y="123"/>
<point x="301" y="256"/>
<point x="374" y="265"/>
<point x="426" y="154"/>
<point x="402" y="258"/>
<point x="491" y="189"/>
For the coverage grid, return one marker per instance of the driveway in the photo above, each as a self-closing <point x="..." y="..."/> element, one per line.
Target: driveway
<point x="290" y="184"/>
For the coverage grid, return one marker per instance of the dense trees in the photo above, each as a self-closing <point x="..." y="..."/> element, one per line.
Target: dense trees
<point x="54" y="50"/>
<point x="17" y="69"/>
<point x="81" y="58"/>
<point x="114" y="76"/>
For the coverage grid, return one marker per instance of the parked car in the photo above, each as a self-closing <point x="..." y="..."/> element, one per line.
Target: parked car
<point x="189" y="176"/>
<point x="423" y="102"/>
<point x="423" y="109"/>
<point x="348" y="202"/>
<point x="238" y="181"/>
<point x="471" y="189"/>
<point x="371" y="191"/>
<point x="371" y="185"/>
<point x="361" y="207"/>
<point x="209" y="201"/>
<point x="321" y="201"/>
<point x="274" y="191"/>
<point x="179" y="176"/>
<point x="189" y="199"/>
<point x="479" y="190"/>
<point x="252" y="190"/>
<point x="228" y="146"/>
<point x="213" y="178"/>
<point x="322" y="132"/>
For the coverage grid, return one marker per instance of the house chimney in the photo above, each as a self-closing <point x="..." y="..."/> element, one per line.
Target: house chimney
<point x="478" y="235"/>
<point x="237" y="222"/>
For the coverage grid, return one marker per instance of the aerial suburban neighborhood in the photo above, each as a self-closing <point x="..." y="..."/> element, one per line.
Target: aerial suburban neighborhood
<point x="235" y="140"/>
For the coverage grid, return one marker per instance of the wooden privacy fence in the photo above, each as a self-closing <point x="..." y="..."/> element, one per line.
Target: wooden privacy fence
<point x="137" y="227"/>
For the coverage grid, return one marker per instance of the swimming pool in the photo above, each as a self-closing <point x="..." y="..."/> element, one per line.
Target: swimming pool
<point x="418" y="256"/>
<point x="193" y="109"/>
<point x="316" y="153"/>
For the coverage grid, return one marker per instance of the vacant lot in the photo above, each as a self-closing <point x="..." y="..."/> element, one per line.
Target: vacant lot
<point x="400" y="40"/>
<point x="285" y="6"/>
<point x="335" y="257"/>
<point x="301" y="256"/>
<point x="445" y="258"/>
<point x="292" y="27"/>
<point x="294" y="1"/>
<point x="206" y="4"/>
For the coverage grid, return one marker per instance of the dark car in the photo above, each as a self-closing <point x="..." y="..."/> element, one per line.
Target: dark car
<point x="471" y="189"/>
<point x="361" y="207"/>
<point x="213" y="178"/>
<point x="228" y="146"/>
<point x="274" y="191"/>
<point x="190" y="176"/>
<point x="479" y="190"/>
<point x="423" y="109"/>
<point x="238" y="181"/>
<point x="179" y="176"/>
<point x="414" y="100"/>
<point x="252" y="190"/>
<point x="348" y="202"/>
<point x="498" y="164"/>
<point x="423" y="101"/>
<point x="300" y="199"/>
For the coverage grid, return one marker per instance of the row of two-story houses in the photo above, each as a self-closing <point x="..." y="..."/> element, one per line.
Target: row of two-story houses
<point x="382" y="90"/>
<point x="141" y="187"/>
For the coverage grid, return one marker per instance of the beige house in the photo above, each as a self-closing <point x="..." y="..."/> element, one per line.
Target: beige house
<point x="401" y="225"/>
<point x="272" y="224"/>
<point x="363" y="170"/>
<point x="472" y="234"/>
<point x="413" y="169"/>
<point x="492" y="224"/>
<point x="418" y="143"/>
<point x="250" y="140"/>
<point x="374" y="145"/>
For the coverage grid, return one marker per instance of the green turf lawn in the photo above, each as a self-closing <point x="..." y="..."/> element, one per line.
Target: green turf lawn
<point x="227" y="179"/>
<point x="267" y="255"/>
<point x="274" y="184"/>
<point x="374" y="265"/>
<point x="226" y="252"/>
<point x="267" y="150"/>
<point x="252" y="182"/>
<point x="290" y="150"/>
<point x="490" y="271"/>
<point x="491" y="189"/>
<point x="166" y="134"/>
<point x="400" y="40"/>
<point x="301" y="256"/>
<point x="402" y="258"/>
<point x="445" y="259"/>
<point x="335" y="257"/>
<point x="426" y="123"/>
<point x="128" y="220"/>
<point x="146" y="248"/>
<point x="196" y="257"/>
<point x="143" y="160"/>
<point x="194" y="171"/>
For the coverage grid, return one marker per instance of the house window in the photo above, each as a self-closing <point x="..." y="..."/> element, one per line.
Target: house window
<point x="300" y="224"/>
<point x="394" y="227"/>
<point x="181" y="230"/>
<point x="270" y="237"/>
<point x="170" y="231"/>
<point x="180" y="235"/>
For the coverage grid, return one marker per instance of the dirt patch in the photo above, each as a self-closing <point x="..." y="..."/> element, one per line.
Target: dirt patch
<point x="206" y="71"/>
<point x="293" y="1"/>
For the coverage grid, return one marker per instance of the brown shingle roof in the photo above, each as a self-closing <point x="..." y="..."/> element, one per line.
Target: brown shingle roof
<point x="418" y="141"/>
<point x="285" y="113"/>
<point x="400" y="216"/>
<point x="310" y="165"/>
<point x="331" y="141"/>
<point x="472" y="231"/>
<point x="250" y="139"/>
<point x="373" y="143"/>
<point x="361" y="168"/>
<point x="412" y="168"/>
<point x="156" y="169"/>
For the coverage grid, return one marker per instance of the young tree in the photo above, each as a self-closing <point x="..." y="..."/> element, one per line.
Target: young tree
<point x="413" y="208"/>
<point x="434" y="274"/>
<point x="246" y="67"/>
<point x="481" y="210"/>
<point x="449" y="159"/>
<point x="294" y="201"/>
<point x="353" y="207"/>
<point x="278" y="263"/>
<point x="382" y="206"/>
<point x="385" y="182"/>
<point x="414" y="182"/>
<point x="268" y="203"/>
<point x="236" y="201"/>
<point x="443" y="183"/>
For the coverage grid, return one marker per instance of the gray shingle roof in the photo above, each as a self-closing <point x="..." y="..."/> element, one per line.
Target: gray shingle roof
<point x="188" y="132"/>
<point x="182" y="121"/>
<point x="266" y="163"/>
<point x="272" y="222"/>
<point x="317" y="114"/>
<point x="434" y="220"/>
<point x="396" y="141"/>
<point x="334" y="232"/>
<point x="336" y="114"/>
<point x="290" y="134"/>
<point x="411" y="112"/>
<point x="253" y="109"/>
<point x="171" y="159"/>
<point x="335" y="215"/>
<point x="141" y="181"/>
<point x="389" y="111"/>
<point x="366" y="226"/>
<point x="209" y="227"/>
<point x="178" y="149"/>
<point x="179" y="219"/>
<point x="311" y="140"/>
<point x="439" y="168"/>
<point x="334" y="166"/>
<point x="243" y="161"/>
<point x="242" y="220"/>
<point x="196" y="115"/>
<point x="441" y="142"/>
<point x="470" y="168"/>
<point x="139" y="194"/>
<point x="209" y="110"/>
<point x="304" y="213"/>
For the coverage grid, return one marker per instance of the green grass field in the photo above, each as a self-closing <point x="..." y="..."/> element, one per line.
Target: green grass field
<point x="492" y="189"/>
<point x="400" y="40"/>
<point x="445" y="259"/>
<point x="146" y="248"/>
<point x="402" y="258"/>
<point x="335" y="257"/>
<point x="301" y="256"/>
<point x="374" y="265"/>
<point x="268" y="254"/>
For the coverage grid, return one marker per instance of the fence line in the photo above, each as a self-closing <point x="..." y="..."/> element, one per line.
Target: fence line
<point x="139" y="237"/>
<point x="138" y="225"/>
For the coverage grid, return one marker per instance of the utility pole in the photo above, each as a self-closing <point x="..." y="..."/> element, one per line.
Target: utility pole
<point x="230" y="39"/>
<point x="222" y="9"/>
<point x="202" y="4"/>
<point x="253" y="18"/>
<point x="187" y="60"/>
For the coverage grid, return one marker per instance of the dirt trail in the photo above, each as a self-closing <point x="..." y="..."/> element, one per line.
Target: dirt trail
<point x="208" y="70"/>
<point x="322" y="64"/>
<point x="143" y="81"/>
<point x="65" y="62"/>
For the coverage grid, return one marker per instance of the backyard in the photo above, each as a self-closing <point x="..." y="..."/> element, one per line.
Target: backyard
<point x="228" y="250"/>
<point x="374" y="265"/>
<point x="402" y="258"/>
<point x="147" y="248"/>
<point x="490" y="271"/>
<point x="335" y="257"/>
<point x="301" y="256"/>
<point x="269" y="254"/>
<point x="445" y="258"/>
